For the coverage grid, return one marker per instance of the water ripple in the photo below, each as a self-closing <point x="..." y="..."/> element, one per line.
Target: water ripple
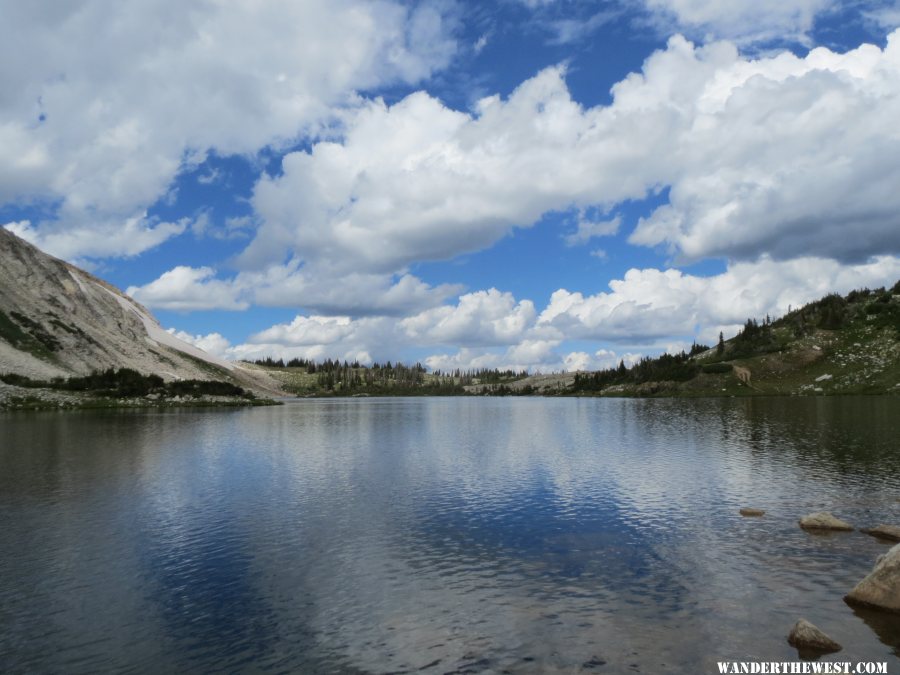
<point x="439" y="535"/>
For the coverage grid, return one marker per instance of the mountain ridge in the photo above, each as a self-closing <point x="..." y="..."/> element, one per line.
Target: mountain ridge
<point x="59" y="321"/>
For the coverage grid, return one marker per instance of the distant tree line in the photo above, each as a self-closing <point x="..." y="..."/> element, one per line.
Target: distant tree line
<point x="878" y="307"/>
<point x="306" y="364"/>
<point x="486" y="375"/>
<point x="347" y="377"/>
<point x="391" y="378"/>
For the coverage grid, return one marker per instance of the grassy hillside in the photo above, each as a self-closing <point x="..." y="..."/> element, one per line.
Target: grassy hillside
<point x="836" y="345"/>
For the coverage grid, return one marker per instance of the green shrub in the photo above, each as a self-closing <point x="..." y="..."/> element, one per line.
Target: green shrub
<point x="127" y="383"/>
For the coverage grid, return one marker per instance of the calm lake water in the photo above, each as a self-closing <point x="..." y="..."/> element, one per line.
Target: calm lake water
<point x="440" y="535"/>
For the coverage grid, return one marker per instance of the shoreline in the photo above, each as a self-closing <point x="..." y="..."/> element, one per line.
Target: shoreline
<point x="16" y="399"/>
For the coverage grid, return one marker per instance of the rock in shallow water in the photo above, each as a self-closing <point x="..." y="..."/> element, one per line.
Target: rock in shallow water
<point x="593" y="662"/>
<point x="823" y="520"/>
<point x="806" y="637"/>
<point x="752" y="512"/>
<point x="889" y="532"/>
<point x="881" y="588"/>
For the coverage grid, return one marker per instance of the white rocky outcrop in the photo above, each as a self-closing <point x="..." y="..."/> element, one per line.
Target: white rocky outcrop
<point x="57" y="320"/>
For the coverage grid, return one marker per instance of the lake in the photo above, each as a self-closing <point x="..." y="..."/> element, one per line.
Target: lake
<point x="437" y="535"/>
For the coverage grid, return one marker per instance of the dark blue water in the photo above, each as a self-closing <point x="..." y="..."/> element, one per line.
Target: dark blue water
<point x="440" y="535"/>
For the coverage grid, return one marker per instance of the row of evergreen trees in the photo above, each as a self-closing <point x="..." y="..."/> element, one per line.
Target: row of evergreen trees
<point x="483" y="375"/>
<point x="349" y="377"/>
<point x="673" y="367"/>
<point x="872" y="307"/>
<point x="308" y="365"/>
<point x="345" y="376"/>
<point x="128" y="383"/>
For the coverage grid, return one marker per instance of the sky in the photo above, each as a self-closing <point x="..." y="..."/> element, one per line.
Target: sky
<point x="529" y="184"/>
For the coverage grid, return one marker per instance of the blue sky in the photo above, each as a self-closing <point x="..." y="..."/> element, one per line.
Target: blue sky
<point x="543" y="184"/>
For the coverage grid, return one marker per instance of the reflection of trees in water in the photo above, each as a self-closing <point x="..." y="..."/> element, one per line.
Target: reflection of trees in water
<point x="842" y="435"/>
<point x="853" y="436"/>
<point x="783" y="454"/>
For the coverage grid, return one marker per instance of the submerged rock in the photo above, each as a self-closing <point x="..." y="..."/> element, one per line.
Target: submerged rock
<point x="752" y="512"/>
<point x="593" y="662"/>
<point x="881" y="587"/>
<point x="888" y="532"/>
<point x="823" y="520"/>
<point x="807" y="638"/>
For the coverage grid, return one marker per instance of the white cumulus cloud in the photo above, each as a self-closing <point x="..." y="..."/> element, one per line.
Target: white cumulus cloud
<point x="783" y="155"/>
<point x="419" y="181"/>
<point x="212" y="343"/>
<point x="654" y="305"/>
<point x="647" y="311"/>
<point x="481" y="318"/>
<point x="186" y="289"/>
<point x="290" y="285"/>
<point x="307" y="330"/>
<point x="103" y="103"/>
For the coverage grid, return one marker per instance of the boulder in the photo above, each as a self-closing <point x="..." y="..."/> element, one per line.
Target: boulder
<point x="752" y="512"/>
<point x="881" y="588"/>
<point x="807" y="638"/>
<point x="824" y="521"/>
<point x="888" y="532"/>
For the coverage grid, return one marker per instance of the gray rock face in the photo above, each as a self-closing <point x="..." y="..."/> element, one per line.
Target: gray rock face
<point x="61" y="321"/>
<point x="752" y="512"/>
<point x="881" y="588"/>
<point x="807" y="638"/>
<point x="887" y="532"/>
<point x="57" y="320"/>
<point x="823" y="520"/>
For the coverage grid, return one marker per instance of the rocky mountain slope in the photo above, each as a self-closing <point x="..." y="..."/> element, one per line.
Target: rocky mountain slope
<point x="57" y="320"/>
